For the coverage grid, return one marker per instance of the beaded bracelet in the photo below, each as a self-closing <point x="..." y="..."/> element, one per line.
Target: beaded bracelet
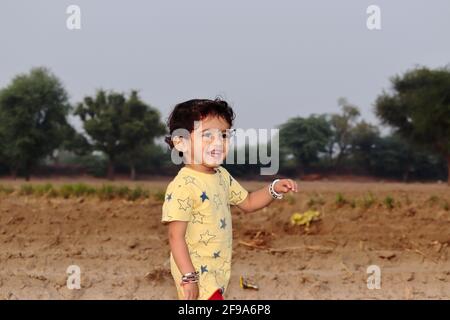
<point x="273" y="193"/>
<point x="190" y="277"/>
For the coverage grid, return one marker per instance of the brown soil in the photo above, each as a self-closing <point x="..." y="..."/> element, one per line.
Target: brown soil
<point x="122" y="248"/>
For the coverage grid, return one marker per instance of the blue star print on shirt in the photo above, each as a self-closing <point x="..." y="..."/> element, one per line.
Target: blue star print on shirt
<point x="169" y="197"/>
<point x="204" y="269"/>
<point x="222" y="223"/>
<point x="216" y="254"/>
<point x="204" y="196"/>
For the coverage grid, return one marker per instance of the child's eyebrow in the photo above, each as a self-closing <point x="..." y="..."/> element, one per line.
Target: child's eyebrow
<point x="216" y="128"/>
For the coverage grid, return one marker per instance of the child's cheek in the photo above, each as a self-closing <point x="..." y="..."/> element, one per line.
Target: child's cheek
<point x="225" y="150"/>
<point x="197" y="150"/>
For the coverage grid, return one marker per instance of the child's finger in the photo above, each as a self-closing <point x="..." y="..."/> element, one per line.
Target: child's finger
<point x="291" y="184"/>
<point x="285" y="185"/>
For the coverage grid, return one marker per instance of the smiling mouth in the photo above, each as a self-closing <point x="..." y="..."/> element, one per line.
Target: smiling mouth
<point x="216" y="153"/>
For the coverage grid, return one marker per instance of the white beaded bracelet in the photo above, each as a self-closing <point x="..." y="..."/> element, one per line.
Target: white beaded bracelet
<point x="272" y="191"/>
<point x="190" y="277"/>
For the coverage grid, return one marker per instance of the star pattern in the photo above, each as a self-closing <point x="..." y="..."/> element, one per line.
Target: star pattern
<point x="216" y="254"/>
<point x="236" y="196"/>
<point x="185" y="203"/>
<point x="203" y="269"/>
<point x="194" y="254"/>
<point x="217" y="201"/>
<point x="204" y="196"/>
<point x="223" y="224"/>
<point x="169" y="196"/>
<point x="224" y="264"/>
<point x="197" y="217"/>
<point x="206" y="237"/>
<point x="221" y="181"/>
<point x="188" y="180"/>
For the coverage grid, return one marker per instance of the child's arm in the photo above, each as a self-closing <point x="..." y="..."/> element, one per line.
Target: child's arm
<point x="261" y="198"/>
<point x="180" y="252"/>
<point x="178" y="246"/>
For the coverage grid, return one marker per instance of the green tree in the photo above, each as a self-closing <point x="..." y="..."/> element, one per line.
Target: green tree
<point x="75" y="142"/>
<point x="304" y="139"/>
<point x="119" y="127"/>
<point x="151" y="159"/>
<point x="363" y="142"/>
<point x="140" y="125"/>
<point x="419" y="109"/>
<point x="33" y="119"/>
<point x="342" y="125"/>
<point x="395" y="157"/>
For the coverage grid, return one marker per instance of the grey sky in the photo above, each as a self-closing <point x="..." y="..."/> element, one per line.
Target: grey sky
<point x="271" y="59"/>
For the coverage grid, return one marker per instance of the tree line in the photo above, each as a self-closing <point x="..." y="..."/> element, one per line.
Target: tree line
<point x="120" y="132"/>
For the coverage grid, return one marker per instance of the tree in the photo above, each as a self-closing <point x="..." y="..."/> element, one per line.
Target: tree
<point x="419" y="109"/>
<point x="395" y="157"/>
<point x="364" y="138"/>
<point x="141" y="124"/>
<point x="119" y="127"/>
<point x="75" y="142"/>
<point x="150" y="157"/>
<point x="342" y="126"/>
<point x="33" y="123"/>
<point x="305" y="139"/>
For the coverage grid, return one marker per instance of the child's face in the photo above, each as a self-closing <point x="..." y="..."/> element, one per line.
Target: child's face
<point x="209" y="142"/>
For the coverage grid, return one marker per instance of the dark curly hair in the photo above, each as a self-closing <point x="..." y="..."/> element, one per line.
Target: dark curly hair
<point x="184" y="114"/>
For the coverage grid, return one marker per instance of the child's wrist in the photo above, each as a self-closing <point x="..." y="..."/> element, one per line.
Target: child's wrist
<point x="272" y="191"/>
<point x="190" y="277"/>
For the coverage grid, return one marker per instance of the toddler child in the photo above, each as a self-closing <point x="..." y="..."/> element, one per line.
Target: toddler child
<point x="197" y="201"/>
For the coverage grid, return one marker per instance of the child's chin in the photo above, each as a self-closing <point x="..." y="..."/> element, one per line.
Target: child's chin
<point x="213" y="163"/>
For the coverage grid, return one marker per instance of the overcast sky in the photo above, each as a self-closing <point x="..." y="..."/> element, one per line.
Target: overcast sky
<point x="271" y="59"/>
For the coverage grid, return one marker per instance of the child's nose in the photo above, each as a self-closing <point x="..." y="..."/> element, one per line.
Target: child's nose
<point x="217" y="138"/>
<point x="217" y="141"/>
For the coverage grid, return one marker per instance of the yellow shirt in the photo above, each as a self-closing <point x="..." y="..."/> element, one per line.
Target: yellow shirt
<point x="203" y="200"/>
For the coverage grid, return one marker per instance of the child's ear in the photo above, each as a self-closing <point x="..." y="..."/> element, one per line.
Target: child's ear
<point x="180" y="143"/>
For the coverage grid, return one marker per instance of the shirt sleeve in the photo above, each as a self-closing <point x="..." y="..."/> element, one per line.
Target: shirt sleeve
<point x="236" y="192"/>
<point x="178" y="202"/>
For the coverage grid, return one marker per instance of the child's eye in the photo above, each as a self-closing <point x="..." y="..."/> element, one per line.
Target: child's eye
<point x="207" y="134"/>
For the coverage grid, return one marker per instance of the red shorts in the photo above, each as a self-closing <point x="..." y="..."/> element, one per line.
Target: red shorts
<point x="217" y="295"/>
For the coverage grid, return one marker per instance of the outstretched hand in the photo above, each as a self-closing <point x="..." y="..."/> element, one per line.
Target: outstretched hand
<point x="190" y="291"/>
<point x="285" y="185"/>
